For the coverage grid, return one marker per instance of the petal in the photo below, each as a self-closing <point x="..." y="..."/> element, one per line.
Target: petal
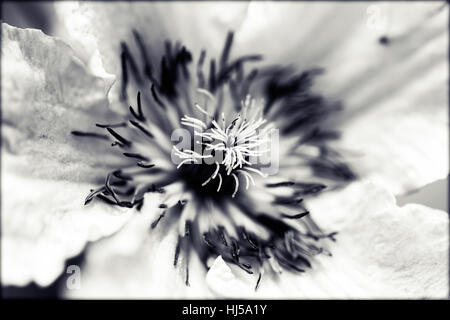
<point x="382" y="251"/>
<point x="45" y="222"/>
<point x="46" y="93"/>
<point x="102" y="26"/>
<point x="395" y="95"/>
<point x="138" y="262"/>
<point x="397" y="115"/>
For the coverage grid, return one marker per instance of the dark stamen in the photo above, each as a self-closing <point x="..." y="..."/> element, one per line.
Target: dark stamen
<point x="123" y="61"/>
<point x="146" y="166"/>
<point x="119" y="137"/>
<point x="207" y="241"/>
<point x="280" y="184"/>
<point x="140" y="127"/>
<point x="129" y="58"/>
<point x="118" y="174"/>
<point x="141" y="114"/>
<point x="109" y="189"/>
<point x="155" y="97"/>
<point x="200" y="76"/>
<point x="112" y="125"/>
<point x="296" y="216"/>
<point x="177" y="251"/>
<point x="236" y="64"/>
<point x="226" y="50"/>
<point x="155" y="223"/>
<point x="287" y="200"/>
<point x="212" y="75"/>
<point x="187" y="269"/>
<point x="187" y="228"/>
<point x="107" y="200"/>
<point x="235" y="250"/>
<point x="221" y="233"/>
<point x="89" y="135"/>
<point x="258" y="281"/>
<point x="309" y="189"/>
<point x="93" y="194"/>
<point x="135" y="155"/>
<point x="148" y="69"/>
<point x="245" y="87"/>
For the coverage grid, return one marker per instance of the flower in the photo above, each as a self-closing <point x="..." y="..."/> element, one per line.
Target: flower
<point x="130" y="247"/>
<point x="203" y="177"/>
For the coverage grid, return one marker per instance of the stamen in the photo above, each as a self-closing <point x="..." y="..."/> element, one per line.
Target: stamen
<point x="256" y="171"/>
<point x="213" y="176"/>
<point x="89" y="134"/>
<point x="236" y="184"/>
<point x="93" y="194"/>
<point x="258" y="281"/>
<point x="226" y="50"/>
<point x="200" y="76"/>
<point x="220" y="182"/>
<point x="140" y="115"/>
<point x="184" y="161"/>
<point x="146" y="166"/>
<point x="212" y="75"/>
<point x="296" y="216"/>
<point x="119" y="137"/>
<point x="206" y="93"/>
<point x="248" y="178"/>
<point x="155" y="97"/>
<point x="155" y="223"/>
<point x="147" y="62"/>
<point x="177" y="251"/>
<point x="140" y="127"/>
<point x="202" y="110"/>
<point x="135" y="155"/>
<point x="116" y="125"/>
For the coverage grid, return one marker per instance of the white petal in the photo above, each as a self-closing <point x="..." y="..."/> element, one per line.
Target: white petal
<point x="221" y="279"/>
<point x="102" y="26"/>
<point x="137" y="262"/>
<point x="382" y="251"/>
<point x="45" y="222"/>
<point x="46" y="93"/>
<point x="397" y="117"/>
<point x="395" y="95"/>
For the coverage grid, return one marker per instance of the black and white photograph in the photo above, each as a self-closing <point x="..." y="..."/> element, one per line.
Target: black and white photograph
<point x="256" y="150"/>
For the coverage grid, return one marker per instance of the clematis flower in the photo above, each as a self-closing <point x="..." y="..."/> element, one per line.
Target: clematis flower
<point x="89" y="155"/>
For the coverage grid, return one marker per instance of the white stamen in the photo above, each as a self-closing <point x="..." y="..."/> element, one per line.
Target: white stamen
<point x="216" y="171"/>
<point x="248" y="178"/>
<point x="206" y="93"/>
<point x="194" y="120"/>
<point x="206" y="182"/>
<point x="257" y="171"/>
<point x="202" y="110"/>
<point x="183" y="162"/>
<point x="239" y="142"/>
<point x="220" y="182"/>
<point x="213" y="176"/>
<point x="236" y="187"/>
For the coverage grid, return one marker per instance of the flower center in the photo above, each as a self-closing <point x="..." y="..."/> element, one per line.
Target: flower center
<point x="228" y="143"/>
<point x="230" y="149"/>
